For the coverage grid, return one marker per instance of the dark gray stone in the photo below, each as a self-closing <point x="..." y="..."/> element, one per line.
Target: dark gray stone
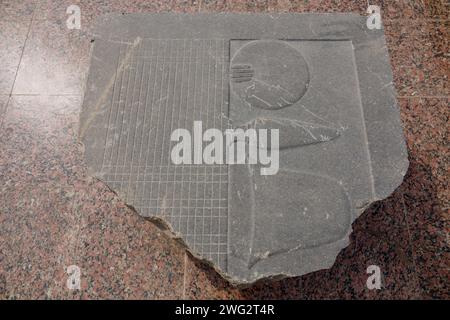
<point x="323" y="80"/>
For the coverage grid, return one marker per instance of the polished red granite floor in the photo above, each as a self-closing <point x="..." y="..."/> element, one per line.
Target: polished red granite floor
<point x="52" y="214"/>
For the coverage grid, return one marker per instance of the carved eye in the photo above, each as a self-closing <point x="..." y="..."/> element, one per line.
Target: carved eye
<point x="241" y="73"/>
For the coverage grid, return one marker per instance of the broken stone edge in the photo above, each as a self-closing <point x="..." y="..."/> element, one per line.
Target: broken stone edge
<point x="386" y="143"/>
<point x="169" y="232"/>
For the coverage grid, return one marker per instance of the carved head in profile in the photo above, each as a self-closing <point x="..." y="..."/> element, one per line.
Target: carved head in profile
<point x="269" y="74"/>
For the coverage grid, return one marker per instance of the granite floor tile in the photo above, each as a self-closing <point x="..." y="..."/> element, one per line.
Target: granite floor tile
<point x="357" y="6"/>
<point x="121" y="255"/>
<point x="37" y="139"/>
<point x="213" y="5"/>
<point x="282" y="6"/>
<point x="13" y="34"/>
<point x="35" y="222"/>
<point x="134" y="6"/>
<point x="418" y="52"/>
<point x="412" y="9"/>
<point x="390" y="9"/>
<point x="431" y="9"/>
<point x="247" y="6"/>
<point x="56" y="10"/>
<point x="53" y="216"/>
<point x="3" y="105"/>
<point x="428" y="224"/>
<point x="55" y="60"/>
<point x="427" y="135"/>
<point x="427" y="197"/>
<point x="13" y="9"/>
<point x="35" y="198"/>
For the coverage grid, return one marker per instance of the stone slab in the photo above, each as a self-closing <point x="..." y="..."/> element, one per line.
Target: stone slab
<point x="323" y="80"/>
